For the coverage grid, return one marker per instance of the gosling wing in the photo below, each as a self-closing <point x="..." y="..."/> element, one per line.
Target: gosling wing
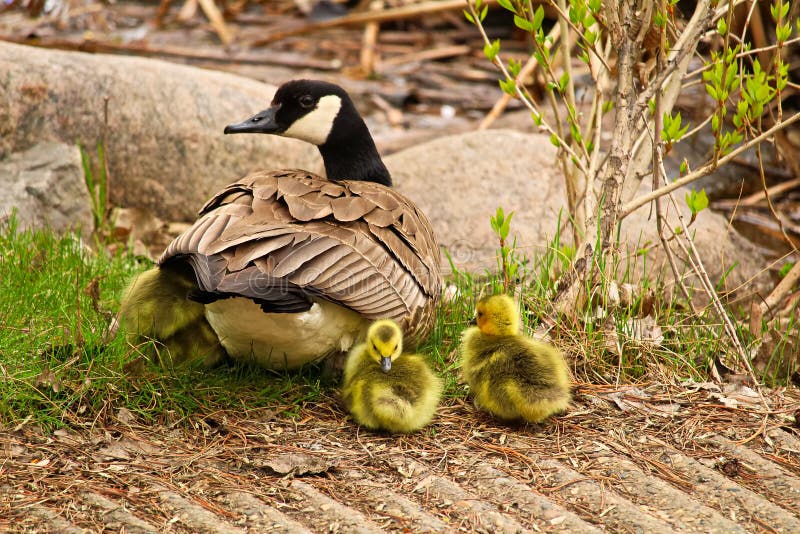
<point x="283" y="238"/>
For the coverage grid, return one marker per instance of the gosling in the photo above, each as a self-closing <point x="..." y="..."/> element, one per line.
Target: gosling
<point x="510" y="375"/>
<point x="384" y="389"/>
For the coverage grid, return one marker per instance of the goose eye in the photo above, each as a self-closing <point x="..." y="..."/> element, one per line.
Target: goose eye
<point x="306" y="101"/>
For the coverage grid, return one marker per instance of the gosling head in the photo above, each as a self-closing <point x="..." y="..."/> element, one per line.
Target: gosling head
<point x="322" y="114"/>
<point x="497" y="316"/>
<point x="384" y="343"/>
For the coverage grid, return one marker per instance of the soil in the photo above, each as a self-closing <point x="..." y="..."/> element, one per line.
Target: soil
<point x="685" y="458"/>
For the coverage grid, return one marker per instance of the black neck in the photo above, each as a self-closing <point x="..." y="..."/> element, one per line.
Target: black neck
<point x="350" y="153"/>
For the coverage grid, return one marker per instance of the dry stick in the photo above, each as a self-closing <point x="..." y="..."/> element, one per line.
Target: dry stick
<point x="385" y="15"/>
<point x="217" y="22"/>
<point x="188" y="10"/>
<point x="758" y="196"/>
<point x="705" y="170"/>
<point x="769" y="200"/>
<point x="163" y="8"/>
<point x="274" y="58"/>
<point x="434" y="53"/>
<point x="367" y="56"/>
<point x="783" y="287"/>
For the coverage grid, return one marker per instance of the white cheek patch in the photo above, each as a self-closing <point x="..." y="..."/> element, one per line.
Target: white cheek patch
<point x="315" y="126"/>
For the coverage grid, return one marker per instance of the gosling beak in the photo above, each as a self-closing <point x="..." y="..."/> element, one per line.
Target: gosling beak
<point x="262" y="122"/>
<point x="473" y="321"/>
<point x="386" y="364"/>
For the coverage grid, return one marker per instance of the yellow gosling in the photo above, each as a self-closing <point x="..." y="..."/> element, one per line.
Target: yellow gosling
<point x="385" y="389"/>
<point x="510" y="375"/>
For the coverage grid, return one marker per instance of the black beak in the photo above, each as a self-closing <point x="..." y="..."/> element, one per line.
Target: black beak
<point x="386" y="364"/>
<point x="473" y="321"/>
<point x="263" y="122"/>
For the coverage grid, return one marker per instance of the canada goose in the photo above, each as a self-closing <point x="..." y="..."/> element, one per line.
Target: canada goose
<point x="291" y="267"/>
<point x="385" y="389"/>
<point x="510" y="375"/>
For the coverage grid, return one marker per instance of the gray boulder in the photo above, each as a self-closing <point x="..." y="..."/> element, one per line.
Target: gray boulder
<point x="46" y="188"/>
<point x="459" y="181"/>
<point x="165" y="146"/>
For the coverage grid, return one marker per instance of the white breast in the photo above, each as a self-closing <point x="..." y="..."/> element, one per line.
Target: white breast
<point x="283" y="340"/>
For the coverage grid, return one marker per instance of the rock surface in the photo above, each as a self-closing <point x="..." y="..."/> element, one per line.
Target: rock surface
<point x="459" y="181"/>
<point x="164" y="134"/>
<point x="46" y="187"/>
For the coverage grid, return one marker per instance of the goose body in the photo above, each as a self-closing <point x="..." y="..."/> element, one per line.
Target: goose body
<point x="385" y="389"/>
<point x="510" y="375"/>
<point x="291" y="267"/>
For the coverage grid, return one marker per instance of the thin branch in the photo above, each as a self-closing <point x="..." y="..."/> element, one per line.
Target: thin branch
<point x="705" y="170"/>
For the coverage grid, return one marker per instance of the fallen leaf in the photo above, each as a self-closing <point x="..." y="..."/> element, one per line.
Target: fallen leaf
<point x="296" y="464"/>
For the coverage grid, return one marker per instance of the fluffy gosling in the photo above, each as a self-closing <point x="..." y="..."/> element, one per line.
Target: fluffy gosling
<point x="156" y="305"/>
<point x="511" y="375"/>
<point x="385" y="389"/>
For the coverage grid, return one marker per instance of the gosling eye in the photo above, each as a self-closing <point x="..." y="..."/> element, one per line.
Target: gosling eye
<point x="395" y="348"/>
<point x="306" y="101"/>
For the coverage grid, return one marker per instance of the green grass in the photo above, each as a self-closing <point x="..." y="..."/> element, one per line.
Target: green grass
<point x="58" y="367"/>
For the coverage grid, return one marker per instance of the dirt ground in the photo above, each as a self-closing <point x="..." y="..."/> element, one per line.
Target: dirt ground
<point x="689" y="458"/>
<point x="652" y="458"/>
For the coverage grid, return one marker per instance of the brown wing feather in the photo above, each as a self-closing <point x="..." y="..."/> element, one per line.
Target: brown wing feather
<point x="284" y="234"/>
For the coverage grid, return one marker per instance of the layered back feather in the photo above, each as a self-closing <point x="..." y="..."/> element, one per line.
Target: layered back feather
<point x="283" y="238"/>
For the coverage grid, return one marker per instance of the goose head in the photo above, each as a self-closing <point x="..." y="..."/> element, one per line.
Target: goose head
<point x="497" y="316"/>
<point x="322" y="114"/>
<point x="384" y="343"/>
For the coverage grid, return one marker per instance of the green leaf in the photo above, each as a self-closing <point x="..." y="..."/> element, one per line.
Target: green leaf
<point x="506" y="4"/>
<point x="697" y="201"/>
<point x="506" y="226"/>
<point x="785" y="268"/>
<point x="659" y="20"/>
<point x="563" y="81"/>
<point x="722" y="26"/>
<point x="537" y="118"/>
<point x="523" y="23"/>
<point x="554" y="140"/>
<point x="484" y="11"/>
<point x="684" y="168"/>
<point x="491" y="50"/>
<point x="538" y="17"/>
<point x="468" y="16"/>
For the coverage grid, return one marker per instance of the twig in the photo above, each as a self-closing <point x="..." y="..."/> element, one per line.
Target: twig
<point x="217" y="22"/>
<point x="505" y="98"/>
<point x="274" y="58"/>
<point x="697" y="266"/>
<point x="705" y="170"/>
<point x="385" y="15"/>
<point x="433" y="53"/>
<point x="163" y="8"/>
<point x="782" y="289"/>
<point x="188" y="10"/>
<point x="367" y="56"/>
